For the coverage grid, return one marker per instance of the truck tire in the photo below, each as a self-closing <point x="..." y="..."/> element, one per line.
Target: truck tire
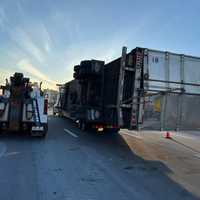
<point x="83" y="126"/>
<point x="44" y="134"/>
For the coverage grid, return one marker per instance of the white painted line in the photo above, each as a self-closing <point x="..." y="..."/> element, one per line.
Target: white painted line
<point x="183" y="136"/>
<point x="11" y="154"/>
<point x="3" y="149"/>
<point x="132" y="135"/>
<point x="71" y="133"/>
<point x="197" y="155"/>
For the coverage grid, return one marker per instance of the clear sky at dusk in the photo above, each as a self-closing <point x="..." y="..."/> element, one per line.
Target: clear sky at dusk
<point x="46" y="38"/>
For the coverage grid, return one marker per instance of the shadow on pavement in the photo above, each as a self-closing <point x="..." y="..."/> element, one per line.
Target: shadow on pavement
<point x="18" y="136"/>
<point x="150" y="176"/>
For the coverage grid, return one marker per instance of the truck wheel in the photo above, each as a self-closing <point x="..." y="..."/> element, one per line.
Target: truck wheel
<point x="83" y="126"/>
<point x="60" y="114"/>
<point x="44" y="134"/>
<point x="79" y="124"/>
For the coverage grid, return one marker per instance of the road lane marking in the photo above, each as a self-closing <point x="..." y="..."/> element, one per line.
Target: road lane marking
<point x="183" y="136"/>
<point x="197" y="156"/>
<point x="3" y="149"/>
<point x="11" y="154"/>
<point x="131" y="134"/>
<point x="71" y="133"/>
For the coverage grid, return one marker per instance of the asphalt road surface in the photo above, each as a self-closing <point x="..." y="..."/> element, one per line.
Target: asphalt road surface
<point x="74" y="165"/>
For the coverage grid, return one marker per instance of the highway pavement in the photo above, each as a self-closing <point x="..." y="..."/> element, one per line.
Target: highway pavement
<point x="73" y="165"/>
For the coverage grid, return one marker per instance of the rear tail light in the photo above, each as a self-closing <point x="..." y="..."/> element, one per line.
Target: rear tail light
<point x="98" y="126"/>
<point x="45" y="106"/>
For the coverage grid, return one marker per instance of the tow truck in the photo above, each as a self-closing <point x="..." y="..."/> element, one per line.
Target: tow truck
<point x="23" y="107"/>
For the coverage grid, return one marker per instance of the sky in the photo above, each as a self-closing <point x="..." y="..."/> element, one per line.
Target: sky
<point x="44" y="39"/>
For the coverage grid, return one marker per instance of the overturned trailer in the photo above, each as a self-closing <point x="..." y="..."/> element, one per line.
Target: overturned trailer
<point x="82" y="99"/>
<point x="143" y="89"/>
<point x="155" y="90"/>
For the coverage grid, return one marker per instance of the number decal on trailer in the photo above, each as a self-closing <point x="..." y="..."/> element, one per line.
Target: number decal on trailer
<point x="155" y="59"/>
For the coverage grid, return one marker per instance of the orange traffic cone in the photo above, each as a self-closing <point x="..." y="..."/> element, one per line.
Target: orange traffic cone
<point x="168" y="135"/>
